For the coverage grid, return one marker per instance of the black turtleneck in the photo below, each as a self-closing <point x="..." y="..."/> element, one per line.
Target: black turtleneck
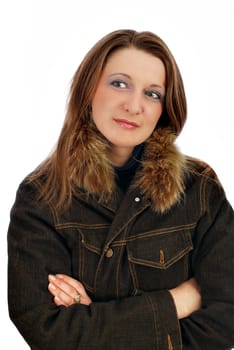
<point x="125" y="174"/>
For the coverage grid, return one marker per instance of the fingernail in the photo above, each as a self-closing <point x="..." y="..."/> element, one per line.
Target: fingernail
<point x="52" y="277"/>
<point x="52" y="286"/>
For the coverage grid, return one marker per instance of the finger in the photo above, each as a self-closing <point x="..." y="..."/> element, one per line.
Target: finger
<point x="63" y="285"/>
<point x="60" y="297"/>
<point x="58" y="302"/>
<point x="70" y="287"/>
<point x="72" y="282"/>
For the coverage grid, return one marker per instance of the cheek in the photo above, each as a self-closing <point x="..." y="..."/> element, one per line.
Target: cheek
<point x="98" y="100"/>
<point x="101" y="98"/>
<point x="154" y="115"/>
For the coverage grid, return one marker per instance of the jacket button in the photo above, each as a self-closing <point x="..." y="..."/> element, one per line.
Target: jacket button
<point x="109" y="253"/>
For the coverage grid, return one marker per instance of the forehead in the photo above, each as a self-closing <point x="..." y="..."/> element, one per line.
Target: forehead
<point x="135" y="62"/>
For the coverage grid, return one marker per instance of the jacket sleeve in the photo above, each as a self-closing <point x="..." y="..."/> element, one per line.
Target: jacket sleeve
<point x="212" y="327"/>
<point x="34" y="250"/>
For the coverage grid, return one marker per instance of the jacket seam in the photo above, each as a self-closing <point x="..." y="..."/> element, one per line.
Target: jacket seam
<point x="118" y="266"/>
<point x="156" y="331"/>
<point x="133" y="274"/>
<point x="158" y="232"/>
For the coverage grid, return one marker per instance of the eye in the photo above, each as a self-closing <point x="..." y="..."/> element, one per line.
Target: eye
<point x="119" y="84"/>
<point x="153" y="94"/>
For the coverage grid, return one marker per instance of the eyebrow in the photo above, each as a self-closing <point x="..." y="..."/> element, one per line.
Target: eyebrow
<point x="129" y="77"/>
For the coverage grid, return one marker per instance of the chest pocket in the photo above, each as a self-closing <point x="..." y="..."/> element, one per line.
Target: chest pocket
<point x="159" y="260"/>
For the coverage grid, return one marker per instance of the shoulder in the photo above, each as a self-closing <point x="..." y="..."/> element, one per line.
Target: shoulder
<point x="29" y="191"/>
<point x="200" y="169"/>
<point x="30" y="185"/>
<point x="29" y="204"/>
<point x="203" y="179"/>
<point x="203" y="185"/>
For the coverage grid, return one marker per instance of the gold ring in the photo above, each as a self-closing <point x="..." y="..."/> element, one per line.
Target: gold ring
<point x="76" y="298"/>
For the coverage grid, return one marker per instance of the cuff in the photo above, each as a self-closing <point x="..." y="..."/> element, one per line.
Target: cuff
<point x="166" y="323"/>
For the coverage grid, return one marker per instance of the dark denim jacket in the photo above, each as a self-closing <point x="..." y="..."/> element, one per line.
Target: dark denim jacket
<point x="127" y="256"/>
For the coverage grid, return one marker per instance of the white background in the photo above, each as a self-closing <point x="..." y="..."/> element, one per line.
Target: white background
<point x="42" y="43"/>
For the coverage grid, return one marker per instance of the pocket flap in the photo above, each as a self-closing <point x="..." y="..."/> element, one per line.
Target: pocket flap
<point x="160" y="250"/>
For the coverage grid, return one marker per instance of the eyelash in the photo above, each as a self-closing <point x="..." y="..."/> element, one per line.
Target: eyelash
<point x="149" y="93"/>
<point x="117" y="83"/>
<point x="157" y="95"/>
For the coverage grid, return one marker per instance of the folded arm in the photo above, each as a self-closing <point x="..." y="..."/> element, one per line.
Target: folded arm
<point x="187" y="296"/>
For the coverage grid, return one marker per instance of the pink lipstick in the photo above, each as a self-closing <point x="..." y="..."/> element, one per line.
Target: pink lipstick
<point x="124" y="123"/>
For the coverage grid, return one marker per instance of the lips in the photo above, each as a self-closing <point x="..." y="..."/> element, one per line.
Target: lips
<point x="124" y="123"/>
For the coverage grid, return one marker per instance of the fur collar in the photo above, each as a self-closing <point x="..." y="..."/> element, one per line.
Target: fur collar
<point x="160" y="177"/>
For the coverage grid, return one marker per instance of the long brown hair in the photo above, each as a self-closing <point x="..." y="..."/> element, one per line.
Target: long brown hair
<point x="81" y="152"/>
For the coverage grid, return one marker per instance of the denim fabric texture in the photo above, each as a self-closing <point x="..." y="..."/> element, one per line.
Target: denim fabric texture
<point x="127" y="256"/>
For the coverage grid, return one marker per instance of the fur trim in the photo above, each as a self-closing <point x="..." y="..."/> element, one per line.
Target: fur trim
<point x="93" y="172"/>
<point x="161" y="177"/>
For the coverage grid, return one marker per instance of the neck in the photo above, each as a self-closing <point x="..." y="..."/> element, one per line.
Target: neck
<point x="120" y="155"/>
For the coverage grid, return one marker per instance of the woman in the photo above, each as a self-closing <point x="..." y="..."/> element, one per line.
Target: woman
<point x="136" y="239"/>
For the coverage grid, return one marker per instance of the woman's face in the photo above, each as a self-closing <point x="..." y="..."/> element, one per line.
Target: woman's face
<point x="128" y="100"/>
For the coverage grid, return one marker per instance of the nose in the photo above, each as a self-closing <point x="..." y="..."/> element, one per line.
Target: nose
<point x="134" y="104"/>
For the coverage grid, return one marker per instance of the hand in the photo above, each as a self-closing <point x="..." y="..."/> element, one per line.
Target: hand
<point x="66" y="289"/>
<point x="187" y="298"/>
